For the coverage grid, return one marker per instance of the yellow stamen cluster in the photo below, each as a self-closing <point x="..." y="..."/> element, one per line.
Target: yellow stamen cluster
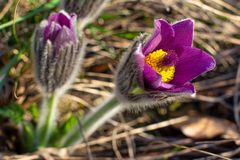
<point x="155" y="59"/>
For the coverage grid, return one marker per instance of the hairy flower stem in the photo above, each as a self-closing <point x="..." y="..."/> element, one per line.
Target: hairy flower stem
<point x="92" y="122"/>
<point x="47" y="119"/>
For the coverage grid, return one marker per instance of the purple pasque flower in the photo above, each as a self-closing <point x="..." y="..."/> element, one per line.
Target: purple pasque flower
<point x="160" y="69"/>
<point x="57" y="51"/>
<point x="169" y="62"/>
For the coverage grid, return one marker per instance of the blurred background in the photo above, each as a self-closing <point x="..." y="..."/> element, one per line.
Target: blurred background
<point x="206" y="126"/>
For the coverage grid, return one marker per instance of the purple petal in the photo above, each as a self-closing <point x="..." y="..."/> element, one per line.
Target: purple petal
<point x="139" y="60"/>
<point x="154" y="40"/>
<point x="168" y="34"/>
<point x="161" y="38"/>
<point x="151" y="78"/>
<point x="65" y="35"/>
<point x="73" y="22"/>
<point x="192" y="62"/>
<point x="51" y="31"/>
<point x="64" y="19"/>
<point x="186" y="88"/>
<point x="183" y="32"/>
<point x="53" y="17"/>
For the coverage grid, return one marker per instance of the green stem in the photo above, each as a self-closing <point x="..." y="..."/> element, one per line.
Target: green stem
<point x="92" y="122"/>
<point x="47" y="121"/>
<point x="44" y="7"/>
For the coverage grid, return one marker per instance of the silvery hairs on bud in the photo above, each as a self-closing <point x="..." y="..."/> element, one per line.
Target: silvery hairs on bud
<point x="128" y="77"/>
<point x="55" y="72"/>
<point x="86" y="10"/>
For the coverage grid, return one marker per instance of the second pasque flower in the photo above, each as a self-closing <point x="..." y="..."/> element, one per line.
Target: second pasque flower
<point x="57" y="51"/>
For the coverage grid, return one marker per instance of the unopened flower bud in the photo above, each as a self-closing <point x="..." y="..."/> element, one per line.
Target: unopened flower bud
<point x="57" y="51"/>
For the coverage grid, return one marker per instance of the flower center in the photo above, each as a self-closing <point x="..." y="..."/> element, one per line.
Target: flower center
<point x="163" y="63"/>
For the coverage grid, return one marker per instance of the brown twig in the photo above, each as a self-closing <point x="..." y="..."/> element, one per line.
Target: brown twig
<point x="6" y="8"/>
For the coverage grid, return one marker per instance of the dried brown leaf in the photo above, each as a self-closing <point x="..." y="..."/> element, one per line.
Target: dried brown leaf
<point x="206" y="127"/>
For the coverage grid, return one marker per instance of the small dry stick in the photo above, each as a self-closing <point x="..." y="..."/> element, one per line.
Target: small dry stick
<point x="130" y="143"/>
<point x="114" y="144"/>
<point x="195" y="149"/>
<point x="6" y="8"/>
<point x="225" y="154"/>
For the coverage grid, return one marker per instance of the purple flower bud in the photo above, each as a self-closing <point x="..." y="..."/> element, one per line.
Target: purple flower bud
<point x="162" y="67"/>
<point x="57" y="51"/>
<point x="60" y="29"/>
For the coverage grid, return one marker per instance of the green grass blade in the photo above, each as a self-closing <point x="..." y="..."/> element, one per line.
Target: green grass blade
<point x="44" y="7"/>
<point x="5" y="70"/>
